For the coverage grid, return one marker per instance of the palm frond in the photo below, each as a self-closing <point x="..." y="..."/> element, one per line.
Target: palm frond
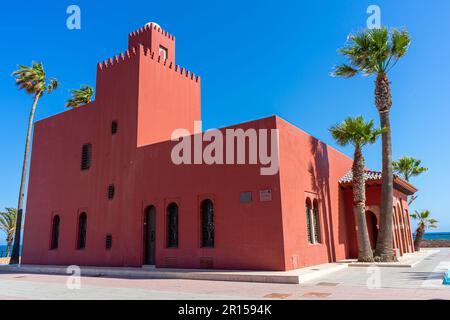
<point x="372" y="51"/>
<point x="33" y="79"/>
<point x="408" y="167"/>
<point x="355" y="131"/>
<point x="424" y="220"/>
<point x="401" y="41"/>
<point x="80" y="97"/>
<point x="8" y="221"/>
<point x="53" y="85"/>
<point x="345" y="71"/>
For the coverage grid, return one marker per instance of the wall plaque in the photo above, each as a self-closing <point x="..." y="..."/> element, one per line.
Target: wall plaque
<point x="265" y="195"/>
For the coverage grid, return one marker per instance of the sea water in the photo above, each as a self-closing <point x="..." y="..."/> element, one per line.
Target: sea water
<point x="435" y="236"/>
<point x="3" y="250"/>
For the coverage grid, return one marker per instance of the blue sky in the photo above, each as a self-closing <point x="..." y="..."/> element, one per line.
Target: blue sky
<point x="256" y="58"/>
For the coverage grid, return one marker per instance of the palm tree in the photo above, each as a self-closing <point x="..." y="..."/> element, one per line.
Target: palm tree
<point x="34" y="81"/>
<point x="8" y="226"/>
<point x="408" y="167"/>
<point x="425" y="222"/>
<point x="376" y="52"/>
<point x="80" y="97"/>
<point x="357" y="132"/>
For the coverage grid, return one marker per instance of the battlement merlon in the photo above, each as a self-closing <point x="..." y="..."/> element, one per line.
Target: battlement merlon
<point x="154" y="38"/>
<point x="132" y="56"/>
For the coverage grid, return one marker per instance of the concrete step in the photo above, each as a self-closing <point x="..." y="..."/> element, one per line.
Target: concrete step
<point x="150" y="272"/>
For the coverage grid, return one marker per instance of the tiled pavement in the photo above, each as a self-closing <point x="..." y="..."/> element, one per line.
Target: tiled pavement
<point x="421" y="282"/>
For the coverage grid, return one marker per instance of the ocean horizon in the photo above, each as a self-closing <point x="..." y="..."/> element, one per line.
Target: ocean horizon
<point x="436" y="236"/>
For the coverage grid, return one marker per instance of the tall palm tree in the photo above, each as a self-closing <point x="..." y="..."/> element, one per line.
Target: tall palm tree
<point x="376" y="52"/>
<point x="357" y="132"/>
<point x="408" y="167"/>
<point x="8" y="226"/>
<point x="34" y="81"/>
<point x="80" y="97"/>
<point x="425" y="222"/>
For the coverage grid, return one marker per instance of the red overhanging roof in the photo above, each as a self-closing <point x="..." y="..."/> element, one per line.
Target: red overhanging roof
<point x="376" y="176"/>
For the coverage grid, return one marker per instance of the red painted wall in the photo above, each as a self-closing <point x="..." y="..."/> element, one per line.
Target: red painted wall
<point x="311" y="169"/>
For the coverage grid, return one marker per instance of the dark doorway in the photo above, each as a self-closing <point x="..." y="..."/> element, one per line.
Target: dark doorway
<point x="372" y="227"/>
<point x="149" y="235"/>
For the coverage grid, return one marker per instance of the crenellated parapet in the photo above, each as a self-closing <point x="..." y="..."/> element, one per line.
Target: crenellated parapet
<point x="147" y="28"/>
<point x="146" y="53"/>
<point x="168" y="65"/>
<point x="116" y="60"/>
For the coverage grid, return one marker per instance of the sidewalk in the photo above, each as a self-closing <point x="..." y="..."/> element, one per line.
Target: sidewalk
<point x="421" y="282"/>
<point x="298" y="276"/>
<point x="408" y="260"/>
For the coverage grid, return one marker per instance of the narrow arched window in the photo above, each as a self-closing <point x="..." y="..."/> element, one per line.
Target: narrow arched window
<point x="82" y="227"/>
<point x="309" y="225"/>
<point x="207" y="223"/>
<point x="114" y="127"/>
<point x="172" y="225"/>
<point x="86" y="154"/>
<point x="111" y="190"/>
<point x="55" y="232"/>
<point x="108" y="241"/>
<point x="316" y="220"/>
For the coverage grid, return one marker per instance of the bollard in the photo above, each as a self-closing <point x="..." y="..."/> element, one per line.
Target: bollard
<point x="447" y="278"/>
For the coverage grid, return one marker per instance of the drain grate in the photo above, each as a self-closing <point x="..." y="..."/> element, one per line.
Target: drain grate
<point x="277" y="295"/>
<point x="316" y="294"/>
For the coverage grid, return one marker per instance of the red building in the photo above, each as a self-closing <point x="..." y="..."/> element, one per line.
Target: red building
<point x="104" y="190"/>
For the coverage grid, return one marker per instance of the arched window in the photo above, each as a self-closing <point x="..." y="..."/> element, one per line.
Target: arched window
<point x="82" y="225"/>
<point x="316" y="220"/>
<point x="55" y="233"/>
<point x="207" y="223"/>
<point x="172" y="225"/>
<point x="309" y="225"/>
<point x="114" y="127"/>
<point x="86" y="154"/>
<point x="402" y="226"/>
<point x="111" y="190"/>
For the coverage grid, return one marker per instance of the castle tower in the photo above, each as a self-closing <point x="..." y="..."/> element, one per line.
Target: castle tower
<point x="160" y="95"/>
<point x="155" y="39"/>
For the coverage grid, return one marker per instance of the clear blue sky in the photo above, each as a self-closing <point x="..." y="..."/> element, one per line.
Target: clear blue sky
<point x="256" y="58"/>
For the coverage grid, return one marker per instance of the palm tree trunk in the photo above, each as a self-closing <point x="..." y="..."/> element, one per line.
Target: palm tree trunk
<point x="8" y="246"/>
<point x="365" y="253"/>
<point x="418" y="239"/>
<point x="384" y="249"/>
<point x="15" y="252"/>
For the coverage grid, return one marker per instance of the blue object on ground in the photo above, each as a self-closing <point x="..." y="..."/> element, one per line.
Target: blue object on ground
<point x="447" y="278"/>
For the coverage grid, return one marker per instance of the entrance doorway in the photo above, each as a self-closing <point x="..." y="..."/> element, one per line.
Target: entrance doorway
<point x="371" y="220"/>
<point x="149" y="235"/>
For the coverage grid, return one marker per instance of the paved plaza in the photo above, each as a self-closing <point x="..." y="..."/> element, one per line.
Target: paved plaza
<point x="423" y="281"/>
